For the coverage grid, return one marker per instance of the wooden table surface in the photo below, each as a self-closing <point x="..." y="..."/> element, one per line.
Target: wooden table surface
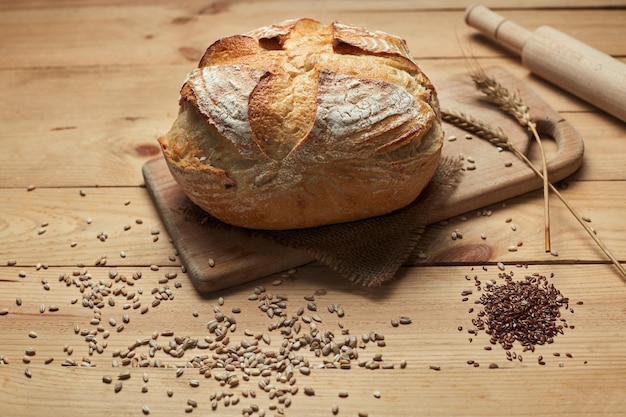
<point x="87" y="86"/>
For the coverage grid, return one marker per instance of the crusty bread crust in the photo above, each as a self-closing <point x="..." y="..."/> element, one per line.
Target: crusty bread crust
<point x="302" y="124"/>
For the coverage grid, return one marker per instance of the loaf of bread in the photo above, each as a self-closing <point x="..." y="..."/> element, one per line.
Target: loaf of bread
<point x="302" y="124"/>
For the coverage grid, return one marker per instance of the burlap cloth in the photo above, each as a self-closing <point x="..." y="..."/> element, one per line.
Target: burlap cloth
<point x="370" y="252"/>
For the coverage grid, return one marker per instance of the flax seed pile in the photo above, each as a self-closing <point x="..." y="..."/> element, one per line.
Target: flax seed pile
<point x="525" y="313"/>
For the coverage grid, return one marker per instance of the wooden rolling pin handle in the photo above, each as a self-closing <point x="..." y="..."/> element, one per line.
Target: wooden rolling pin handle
<point x="572" y="65"/>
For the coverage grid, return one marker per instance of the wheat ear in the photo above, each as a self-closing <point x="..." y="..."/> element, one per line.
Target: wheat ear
<point x="513" y="105"/>
<point x="497" y="137"/>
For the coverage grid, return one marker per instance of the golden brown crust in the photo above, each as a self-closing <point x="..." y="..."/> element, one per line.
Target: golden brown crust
<point x="302" y="124"/>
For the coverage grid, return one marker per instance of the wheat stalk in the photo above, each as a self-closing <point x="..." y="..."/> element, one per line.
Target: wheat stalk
<point x="513" y="105"/>
<point x="497" y="137"/>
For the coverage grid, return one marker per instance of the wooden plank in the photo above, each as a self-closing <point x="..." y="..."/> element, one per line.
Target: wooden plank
<point x="66" y="214"/>
<point x="431" y="296"/>
<point x="175" y="36"/>
<point x="525" y="215"/>
<point x="71" y="218"/>
<point x="202" y="7"/>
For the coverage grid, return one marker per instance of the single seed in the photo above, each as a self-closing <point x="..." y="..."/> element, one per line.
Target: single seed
<point x="28" y="373"/>
<point x="118" y="387"/>
<point x="107" y="379"/>
<point x="435" y="367"/>
<point x="211" y="262"/>
<point x="194" y="383"/>
<point x="32" y="335"/>
<point x="376" y="394"/>
<point x="343" y="394"/>
<point x="145" y="410"/>
<point x="4" y="311"/>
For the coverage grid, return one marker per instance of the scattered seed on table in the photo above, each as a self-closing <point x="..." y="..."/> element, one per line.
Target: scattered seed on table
<point x="28" y="373"/>
<point x="405" y="320"/>
<point x="107" y="379"/>
<point x="32" y="334"/>
<point x="343" y="394"/>
<point x="194" y="383"/>
<point x="211" y="262"/>
<point x="376" y="394"/>
<point x="124" y="375"/>
<point x="145" y="410"/>
<point x="170" y="393"/>
<point x="309" y="391"/>
<point x="493" y="366"/>
<point x="118" y="387"/>
<point x="435" y="367"/>
<point x="4" y="311"/>
<point x="335" y="409"/>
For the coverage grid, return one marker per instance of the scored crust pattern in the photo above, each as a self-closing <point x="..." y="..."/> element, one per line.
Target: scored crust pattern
<point x="301" y="124"/>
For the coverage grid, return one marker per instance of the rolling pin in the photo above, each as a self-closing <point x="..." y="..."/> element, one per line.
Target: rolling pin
<point x="572" y="65"/>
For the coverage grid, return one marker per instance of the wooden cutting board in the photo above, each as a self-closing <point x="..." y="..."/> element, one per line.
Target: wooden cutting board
<point x="217" y="256"/>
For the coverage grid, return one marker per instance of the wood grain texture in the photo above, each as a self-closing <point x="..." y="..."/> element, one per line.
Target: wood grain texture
<point x="431" y="296"/>
<point x="174" y="35"/>
<point x="86" y="87"/>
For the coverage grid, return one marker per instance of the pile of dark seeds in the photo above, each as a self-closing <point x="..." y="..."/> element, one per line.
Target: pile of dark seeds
<point x="527" y="312"/>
